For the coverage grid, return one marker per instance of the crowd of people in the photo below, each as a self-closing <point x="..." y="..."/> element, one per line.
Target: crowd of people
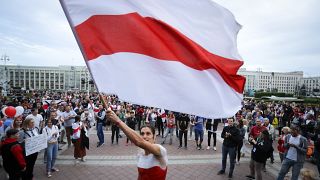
<point x="295" y="127"/>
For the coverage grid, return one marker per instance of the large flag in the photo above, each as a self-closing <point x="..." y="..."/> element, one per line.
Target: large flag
<point x="172" y="54"/>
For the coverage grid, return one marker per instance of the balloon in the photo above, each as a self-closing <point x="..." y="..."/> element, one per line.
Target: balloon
<point x="10" y="111"/>
<point x="19" y="110"/>
<point x="3" y="110"/>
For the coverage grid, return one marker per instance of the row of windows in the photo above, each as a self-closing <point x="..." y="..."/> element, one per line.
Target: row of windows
<point x="278" y="78"/>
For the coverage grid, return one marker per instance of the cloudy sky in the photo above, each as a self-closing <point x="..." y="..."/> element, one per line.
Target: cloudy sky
<point x="277" y="35"/>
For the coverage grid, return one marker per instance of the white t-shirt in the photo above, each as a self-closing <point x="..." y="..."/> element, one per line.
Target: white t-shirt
<point x="292" y="152"/>
<point x="68" y="122"/>
<point x="148" y="162"/>
<point x="37" y="119"/>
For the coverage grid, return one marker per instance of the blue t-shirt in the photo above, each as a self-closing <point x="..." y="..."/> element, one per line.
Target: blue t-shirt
<point x="199" y="125"/>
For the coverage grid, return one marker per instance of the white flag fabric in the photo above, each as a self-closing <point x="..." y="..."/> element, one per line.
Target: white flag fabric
<point x="171" y="54"/>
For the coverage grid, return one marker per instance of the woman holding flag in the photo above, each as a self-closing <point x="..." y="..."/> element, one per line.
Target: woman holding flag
<point x="152" y="159"/>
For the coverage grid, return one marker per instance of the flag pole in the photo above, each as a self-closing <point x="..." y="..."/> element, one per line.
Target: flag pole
<point x="62" y="3"/>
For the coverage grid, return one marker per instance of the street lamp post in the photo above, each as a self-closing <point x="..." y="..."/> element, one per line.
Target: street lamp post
<point x="5" y="58"/>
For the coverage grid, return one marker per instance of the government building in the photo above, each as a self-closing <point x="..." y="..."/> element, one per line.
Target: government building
<point x="54" y="78"/>
<point x="77" y="78"/>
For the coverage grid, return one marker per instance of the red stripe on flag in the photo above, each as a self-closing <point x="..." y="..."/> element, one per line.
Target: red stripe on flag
<point x="109" y="34"/>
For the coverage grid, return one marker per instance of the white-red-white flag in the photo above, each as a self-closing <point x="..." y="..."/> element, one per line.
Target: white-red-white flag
<point x="172" y="54"/>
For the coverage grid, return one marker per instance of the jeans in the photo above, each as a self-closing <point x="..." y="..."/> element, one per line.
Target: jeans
<point x="185" y="134"/>
<point x="232" y="154"/>
<point x="169" y="130"/>
<point x="52" y="151"/>
<point x="256" y="168"/>
<point x="100" y="133"/>
<point x="286" y="164"/>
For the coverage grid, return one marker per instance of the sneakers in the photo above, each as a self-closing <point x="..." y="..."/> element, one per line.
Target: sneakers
<point x="221" y="172"/>
<point x="99" y="145"/>
<point x="230" y="176"/>
<point x="54" y="169"/>
<point x="214" y="148"/>
<point x="238" y="163"/>
<point x="179" y="147"/>
<point x="208" y="147"/>
<point x="49" y="174"/>
<point x="250" y="177"/>
<point x="83" y="159"/>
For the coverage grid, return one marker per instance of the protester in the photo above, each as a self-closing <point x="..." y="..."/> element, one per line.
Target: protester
<point x="191" y="126"/>
<point x="161" y="119"/>
<point x="257" y="129"/>
<point x="171" y="120"/>
<point x="52" y="132"/>
<point x="308" y="174"/>
<point x="79" y="131"/>
<point x="68" y="117"/>
<point x="152" y="160"/>
<point x="38" y="119"/>
<point x="211" y="127"/>
<point x="115" y="130"/>
<point x="17" y="123"/>
<point x="316" y="139"/>
<point x="59" y="116"/>
<point x="12" y="154"/>
<point x="183" y="122"/>
<point x="271" y="131"/>
<point x="242" y="132"/>
<point x="29" y="130"/>
<point x="100" y="118"/>
<point x="131" y="123"/>
<point x="87" y="117"/>
<point x="280" y="147"/>
<point x="259" y="154"/>
<point x="198" y="131"/>
<point x="230" y="135"/>
<point x="296" y="154"/>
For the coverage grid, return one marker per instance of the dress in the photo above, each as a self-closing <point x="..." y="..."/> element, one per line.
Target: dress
<point x="149" y="167"/>
<point x="79" y="149"/>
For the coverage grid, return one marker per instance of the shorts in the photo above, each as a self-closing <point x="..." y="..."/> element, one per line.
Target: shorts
<point x="198" y="133"/>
